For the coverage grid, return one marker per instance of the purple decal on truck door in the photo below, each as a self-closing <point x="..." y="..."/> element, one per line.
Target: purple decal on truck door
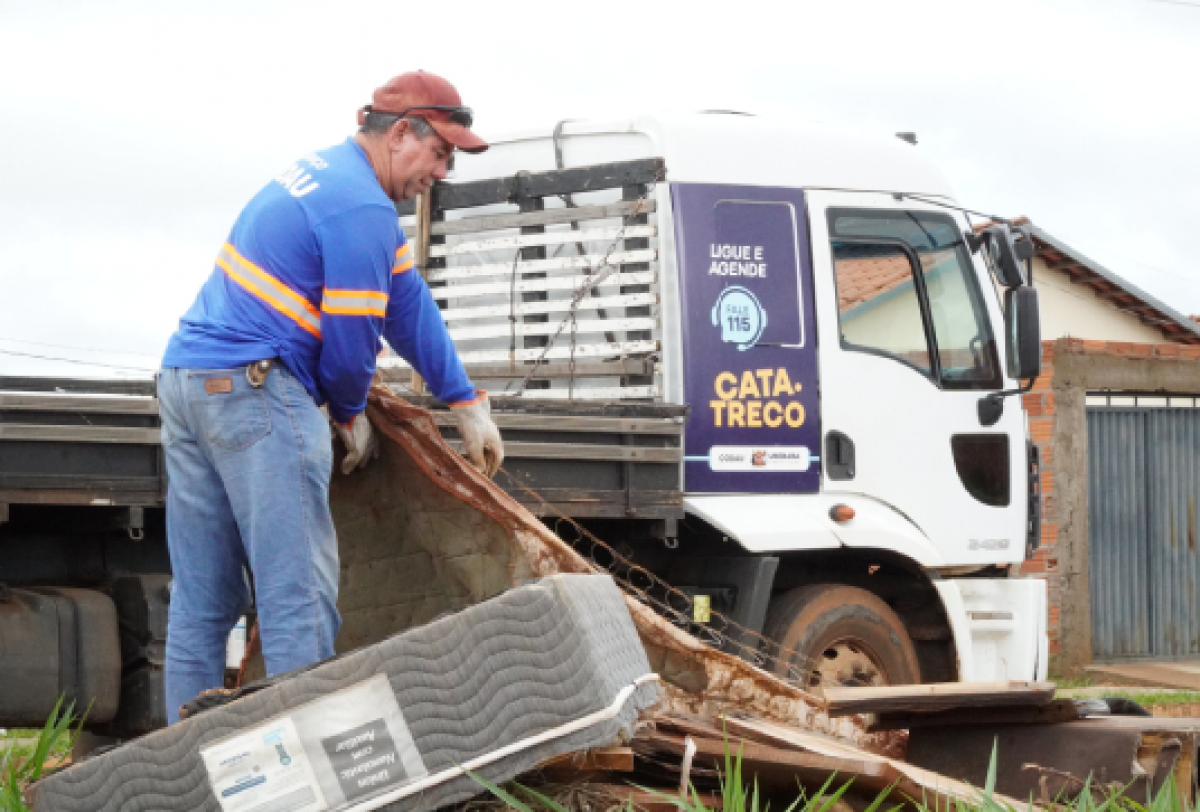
<point x="749" y="354"/>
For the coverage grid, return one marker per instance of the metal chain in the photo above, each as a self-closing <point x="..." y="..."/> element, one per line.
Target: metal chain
<point x="637" y="581"/>
<point x="574" y="336"/>
<point x="512" y="315"/>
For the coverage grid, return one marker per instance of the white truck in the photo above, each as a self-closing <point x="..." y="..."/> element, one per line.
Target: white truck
<point x="857" y="481"/>
<point x="767" y="364"/>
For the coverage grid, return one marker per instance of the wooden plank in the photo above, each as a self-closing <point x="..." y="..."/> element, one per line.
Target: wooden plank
<point x="502" y="404"/>
<point x="591" y="393"/>
<point x="595" y="496"/>
<point x="424" y="239"/>
<point x="542" y="184"/>
<point x="549" y="328"/>
<point x="547" y="217"/>
<point x="1057" y="712"/>
<point x="551" y="238"/>
<point x="581" y="369"/>
<point x="689" y="725"/>
<point x="757" y="756"/>
<point x="773" y="733"/>
<point x="58" y="493"/>
<point x="618" y="508"/>
<point x="606" y="759"/>
<point x="585" y="451"/>
<point x="570" y="423"/>
<point x="560" y="327"/>
<point x="574" y="282"/>
<point x="20" y="383"/>
<point x="75" y="403"/>
<point x="916" y="783"/>
<point x="585" y="262"/>
<point x="581" y="351"/>
<point x="936" y="696"/>
<point x="587" y="303"/>
<point x="80" y="434"/>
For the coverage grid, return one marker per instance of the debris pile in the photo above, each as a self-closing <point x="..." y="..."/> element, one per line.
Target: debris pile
<point x="1046" y="751"/>
<point x="442" y="571"/>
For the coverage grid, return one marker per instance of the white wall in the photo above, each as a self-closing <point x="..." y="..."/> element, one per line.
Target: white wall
<point x="1068" y="309"/>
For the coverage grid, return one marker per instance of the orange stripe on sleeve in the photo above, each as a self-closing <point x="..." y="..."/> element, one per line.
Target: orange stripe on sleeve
<point x="337" y="310"/>
<point x="356" y="294"/>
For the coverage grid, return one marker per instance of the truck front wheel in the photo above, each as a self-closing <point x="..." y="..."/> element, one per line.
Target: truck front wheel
<point x="826" y="634"/>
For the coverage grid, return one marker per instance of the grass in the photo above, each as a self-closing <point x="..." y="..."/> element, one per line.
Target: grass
<point x="19" y="744"/>
<point x="1165" y="696"/>
<point x="25" y="754"/>
<point x="1146" y="697"/>
<point x="737" y="796"/>
<point x="1143" y="696"/>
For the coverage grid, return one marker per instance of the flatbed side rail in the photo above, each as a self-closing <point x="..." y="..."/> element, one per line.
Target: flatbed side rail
<point x="548" y="281"/>
<point x="586" y="460"/>
<point x="75" y="446"/>
<point x="80" y="442"/>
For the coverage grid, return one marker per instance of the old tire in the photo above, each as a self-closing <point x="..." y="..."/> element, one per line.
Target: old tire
<point x="839" y="635"/>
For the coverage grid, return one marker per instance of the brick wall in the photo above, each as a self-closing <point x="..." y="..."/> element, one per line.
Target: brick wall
<point x="1039" y="406"/>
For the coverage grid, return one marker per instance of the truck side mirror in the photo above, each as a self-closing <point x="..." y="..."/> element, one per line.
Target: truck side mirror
<point x="1023" y="333"/>
<point x="1023" y="245"/>
<point x="1003" y="254"/>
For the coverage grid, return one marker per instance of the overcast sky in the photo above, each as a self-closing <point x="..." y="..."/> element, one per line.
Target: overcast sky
<point x="133" y="132"/>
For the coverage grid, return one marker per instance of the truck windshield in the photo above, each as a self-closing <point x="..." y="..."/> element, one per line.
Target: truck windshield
<point x="934" y="320"/>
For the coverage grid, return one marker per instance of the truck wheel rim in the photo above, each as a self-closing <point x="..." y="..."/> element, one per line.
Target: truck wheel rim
<point x="847" y="662"/>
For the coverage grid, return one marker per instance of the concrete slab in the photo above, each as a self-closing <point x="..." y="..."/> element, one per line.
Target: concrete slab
<point x="1165" y="675"/>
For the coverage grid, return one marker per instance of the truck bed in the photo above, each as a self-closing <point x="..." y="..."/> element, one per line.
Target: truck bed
<point x="79" y="442"/>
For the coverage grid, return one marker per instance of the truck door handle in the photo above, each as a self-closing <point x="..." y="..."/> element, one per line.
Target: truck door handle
<point x="839" y="456"/>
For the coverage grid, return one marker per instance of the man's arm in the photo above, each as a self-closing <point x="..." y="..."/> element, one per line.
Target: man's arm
<point x="357" y="251"/>
<point x="415" y="330"/>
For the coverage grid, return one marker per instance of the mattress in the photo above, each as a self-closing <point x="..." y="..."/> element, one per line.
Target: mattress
<point x="544" y="669"/>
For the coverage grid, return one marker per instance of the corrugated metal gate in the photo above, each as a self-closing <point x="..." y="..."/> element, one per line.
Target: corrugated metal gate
<point x="1143" y="484"/>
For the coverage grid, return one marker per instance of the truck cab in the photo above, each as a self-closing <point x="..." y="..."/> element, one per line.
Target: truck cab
<point x="854" y="490"/>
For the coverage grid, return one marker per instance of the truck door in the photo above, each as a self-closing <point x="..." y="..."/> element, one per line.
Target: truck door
<point x="908" y="327"/>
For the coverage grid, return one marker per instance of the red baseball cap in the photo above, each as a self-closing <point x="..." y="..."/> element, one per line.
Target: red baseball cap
<point x="412" y="92"/>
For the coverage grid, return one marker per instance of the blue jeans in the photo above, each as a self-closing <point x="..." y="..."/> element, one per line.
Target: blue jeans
<point x="247" y="489"/>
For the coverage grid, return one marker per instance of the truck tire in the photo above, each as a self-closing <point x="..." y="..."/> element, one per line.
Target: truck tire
<point x="829" y="634"/>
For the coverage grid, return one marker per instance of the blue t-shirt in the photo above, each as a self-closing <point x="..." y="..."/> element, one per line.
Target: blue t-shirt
<point x="315" y="270"/>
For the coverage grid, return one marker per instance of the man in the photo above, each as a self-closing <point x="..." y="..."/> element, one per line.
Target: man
<point x="315" y="271"/>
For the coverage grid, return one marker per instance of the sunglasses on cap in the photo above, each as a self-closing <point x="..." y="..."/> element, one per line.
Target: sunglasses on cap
<point x="457" y="114"/>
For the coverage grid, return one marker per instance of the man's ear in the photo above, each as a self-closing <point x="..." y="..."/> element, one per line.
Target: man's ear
<point x="397" y="132"/>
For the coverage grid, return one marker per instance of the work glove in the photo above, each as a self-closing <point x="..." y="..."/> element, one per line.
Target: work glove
<point x="481" y="439"/>
<point x="360" y="442"/>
